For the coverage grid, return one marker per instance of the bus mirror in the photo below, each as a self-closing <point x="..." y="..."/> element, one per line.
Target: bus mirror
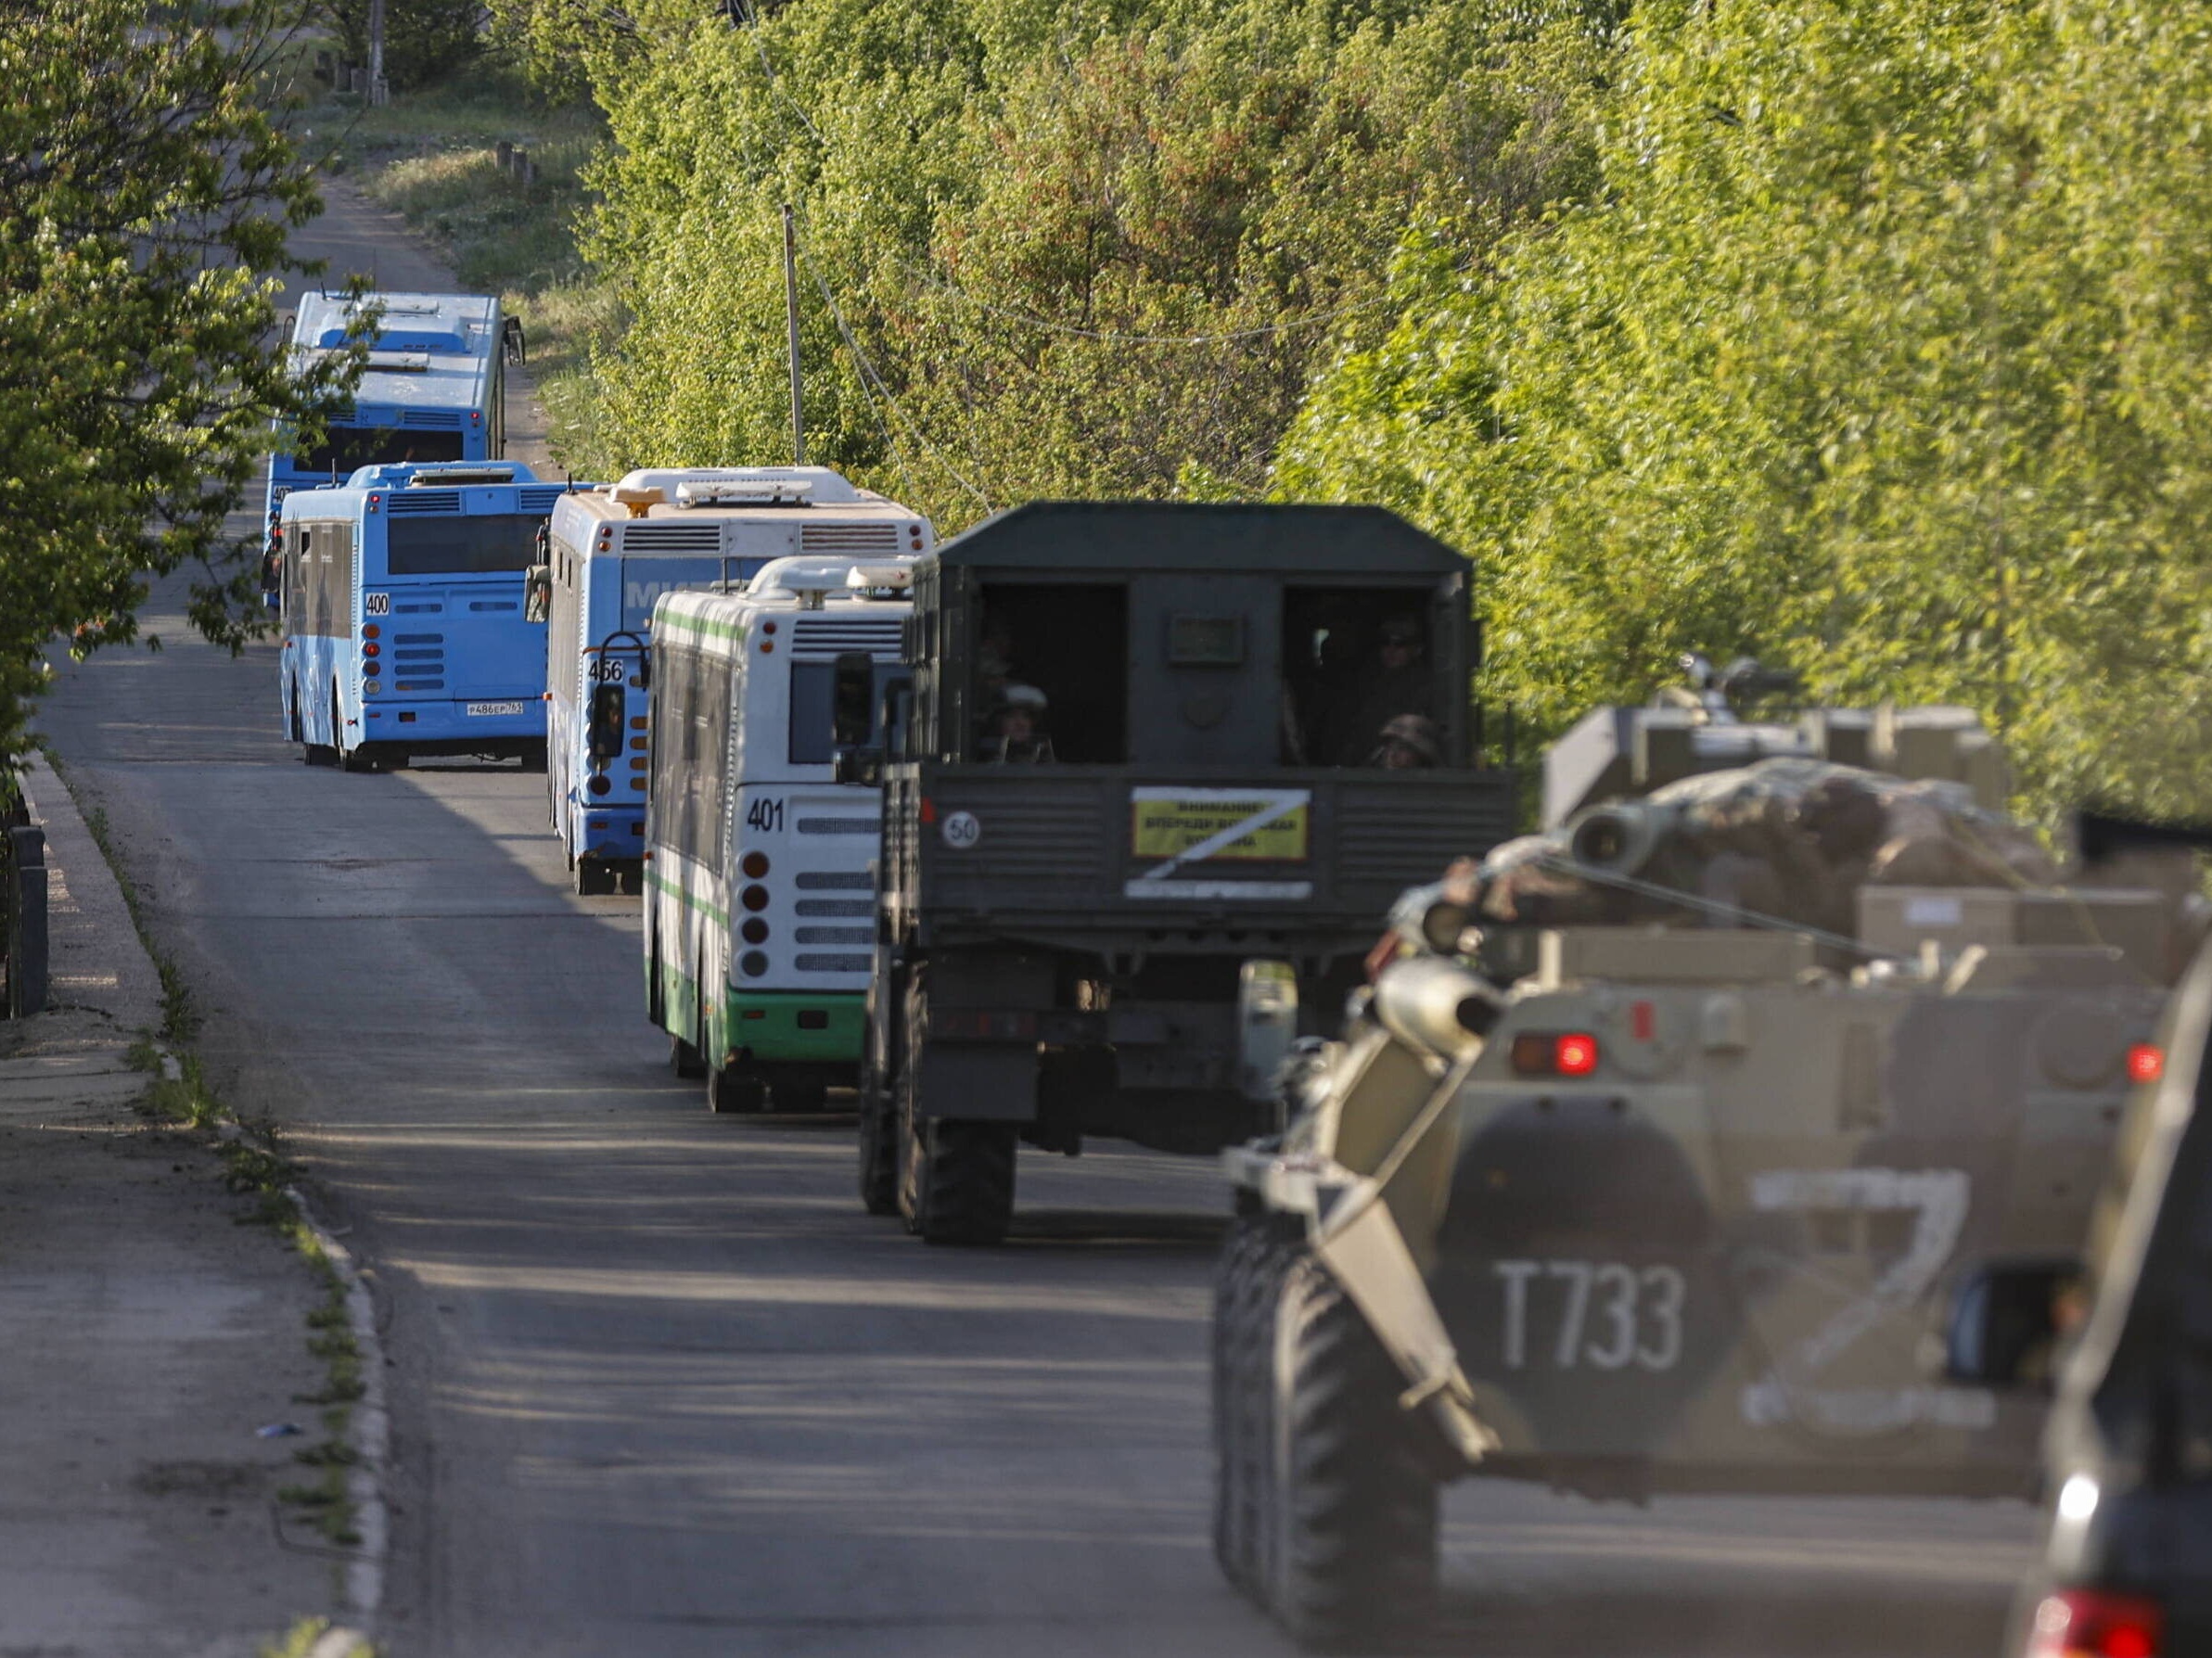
<point x="850" y="713"/>
<point x="2007" y="1322"/>
<point x="860" y="765"/>
<point x="607" y="710"/>
<point x="537" y="593"/>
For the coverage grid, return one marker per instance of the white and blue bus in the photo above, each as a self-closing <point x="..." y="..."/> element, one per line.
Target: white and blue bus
<point x="406" y="623"/>
<point x="618" y="548"/>
<point x="434" y="390"/>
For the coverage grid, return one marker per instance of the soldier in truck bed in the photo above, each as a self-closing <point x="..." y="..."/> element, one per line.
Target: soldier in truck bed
<point x="1394" y="682"/>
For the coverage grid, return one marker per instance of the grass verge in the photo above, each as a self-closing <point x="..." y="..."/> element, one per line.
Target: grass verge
<point x="254" y="1167"/>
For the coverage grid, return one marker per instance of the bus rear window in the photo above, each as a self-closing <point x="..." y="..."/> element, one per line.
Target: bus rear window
<point x="349" y="447"/>
<point x="461" y="545"/>
<point x="814" y="709"/>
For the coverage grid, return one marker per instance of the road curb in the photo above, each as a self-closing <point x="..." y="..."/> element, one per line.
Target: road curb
<point x="371" y="1435"/>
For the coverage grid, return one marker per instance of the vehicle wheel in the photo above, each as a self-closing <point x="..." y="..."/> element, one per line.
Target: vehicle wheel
<point x="732" y="1093"/>
<point x="593" y="879"/>
<point x="956" y="1177"/>
<point x="533" y="757"/>
<point x="879" y="1142"/>
<point x="1244" y="1285"/>
<point x="292" y="723"/>
<point x="1354" y="1512"/>
<point x="685" y="1060"/>
<point x="353" y="759"/>
<point x="632" y="883"/>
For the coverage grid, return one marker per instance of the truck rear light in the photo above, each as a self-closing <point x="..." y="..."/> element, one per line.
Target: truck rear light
<point x="2146" y="1062"/>
<point x="1554" y="1054"/>
<point x="2091" y="1623"/>
<point x="983" y="1025"/>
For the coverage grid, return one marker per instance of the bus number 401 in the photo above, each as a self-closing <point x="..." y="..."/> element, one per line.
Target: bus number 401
<point x="765" y="817"/>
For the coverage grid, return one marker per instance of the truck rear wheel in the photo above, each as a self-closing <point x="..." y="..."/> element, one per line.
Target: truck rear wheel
<point x="1354" y="1511"/>
<point x="956" y="1177"/>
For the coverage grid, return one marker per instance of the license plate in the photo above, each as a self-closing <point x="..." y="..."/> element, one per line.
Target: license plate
<point x="494" y="708"/>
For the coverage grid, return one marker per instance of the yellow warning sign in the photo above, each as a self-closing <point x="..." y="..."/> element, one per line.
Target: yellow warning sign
<point x="1208" y="825"/>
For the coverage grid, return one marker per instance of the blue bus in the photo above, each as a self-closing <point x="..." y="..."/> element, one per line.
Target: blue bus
<point x="404" y="613"/>
<point x="434" y="390"/>
<point x="617" y="548"/>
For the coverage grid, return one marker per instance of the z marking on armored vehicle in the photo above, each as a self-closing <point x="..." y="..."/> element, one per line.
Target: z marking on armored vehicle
<point x="1648" y="1164"/>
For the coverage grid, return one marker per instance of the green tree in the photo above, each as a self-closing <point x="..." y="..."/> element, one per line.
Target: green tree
<point x="146" y="197"/>
<point x="1089" y="250"/>
<point x="1879" y="352"/>
<point x="424" y="40"/>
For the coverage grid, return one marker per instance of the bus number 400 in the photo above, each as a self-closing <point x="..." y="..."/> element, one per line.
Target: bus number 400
<point x="765" y="817"/>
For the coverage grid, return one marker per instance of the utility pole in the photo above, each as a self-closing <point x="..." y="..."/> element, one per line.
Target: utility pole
<point x="378" y="92"/>
<point x="799" y="420"/>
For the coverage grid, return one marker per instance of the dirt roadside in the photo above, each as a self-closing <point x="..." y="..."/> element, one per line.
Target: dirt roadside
<point x="152" y="1331"/>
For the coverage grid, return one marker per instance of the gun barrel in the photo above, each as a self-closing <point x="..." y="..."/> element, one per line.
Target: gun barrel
<point x="1429" y="1002"/>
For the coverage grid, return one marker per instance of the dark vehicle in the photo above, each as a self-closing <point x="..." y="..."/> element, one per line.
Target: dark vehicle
<point x="1159" y="767"/>
<point x="2127" y="1463"/>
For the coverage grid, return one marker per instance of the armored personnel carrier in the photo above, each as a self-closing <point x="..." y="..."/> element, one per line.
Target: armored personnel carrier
<point x="1648" y="1160"/>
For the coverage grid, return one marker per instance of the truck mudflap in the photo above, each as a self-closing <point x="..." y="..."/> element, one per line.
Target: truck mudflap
<point x="1353" y="1232"/>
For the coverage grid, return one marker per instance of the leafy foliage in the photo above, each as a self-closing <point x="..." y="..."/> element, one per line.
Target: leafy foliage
<point x="1881" y="352"/>
<point x="1046" y="250"/>
<point x="145" y="195"/>
<point x="423" y="39"/>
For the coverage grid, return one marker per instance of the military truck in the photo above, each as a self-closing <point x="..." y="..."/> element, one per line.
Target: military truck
<point x="1156" y="768"/>
<point x="1635" y="1171"/>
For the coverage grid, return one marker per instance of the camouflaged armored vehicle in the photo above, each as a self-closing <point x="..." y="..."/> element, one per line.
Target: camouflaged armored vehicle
<point x="1649" y="1159"/>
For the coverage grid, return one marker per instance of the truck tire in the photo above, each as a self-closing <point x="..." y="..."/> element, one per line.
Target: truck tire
<point x="879" y="1119"/>
<point x="1355" y="1508"/>
<point x="956" y="1177"/>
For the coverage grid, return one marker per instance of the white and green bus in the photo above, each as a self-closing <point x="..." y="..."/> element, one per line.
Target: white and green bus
<point x="760" y="894"/>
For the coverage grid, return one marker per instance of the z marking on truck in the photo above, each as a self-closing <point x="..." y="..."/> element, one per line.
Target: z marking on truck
<point x="1189" y="825"/>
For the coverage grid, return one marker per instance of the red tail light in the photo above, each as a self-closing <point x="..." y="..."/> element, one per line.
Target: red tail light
<point x="2087" y="1623"/>
<point x="1554" y="1053"/>
<point x="2146" y="1062"/>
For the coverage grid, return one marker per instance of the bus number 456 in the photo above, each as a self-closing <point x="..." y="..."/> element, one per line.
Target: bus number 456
<point x="1609" y="1315"/>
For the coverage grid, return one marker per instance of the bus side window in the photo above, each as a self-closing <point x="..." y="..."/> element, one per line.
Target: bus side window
<point x="342" y="594"/>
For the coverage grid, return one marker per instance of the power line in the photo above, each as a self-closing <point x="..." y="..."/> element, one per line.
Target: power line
<point x="868" y="372"/>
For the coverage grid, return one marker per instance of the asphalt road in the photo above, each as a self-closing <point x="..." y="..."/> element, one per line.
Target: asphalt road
<point x="661" y="1388"/>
